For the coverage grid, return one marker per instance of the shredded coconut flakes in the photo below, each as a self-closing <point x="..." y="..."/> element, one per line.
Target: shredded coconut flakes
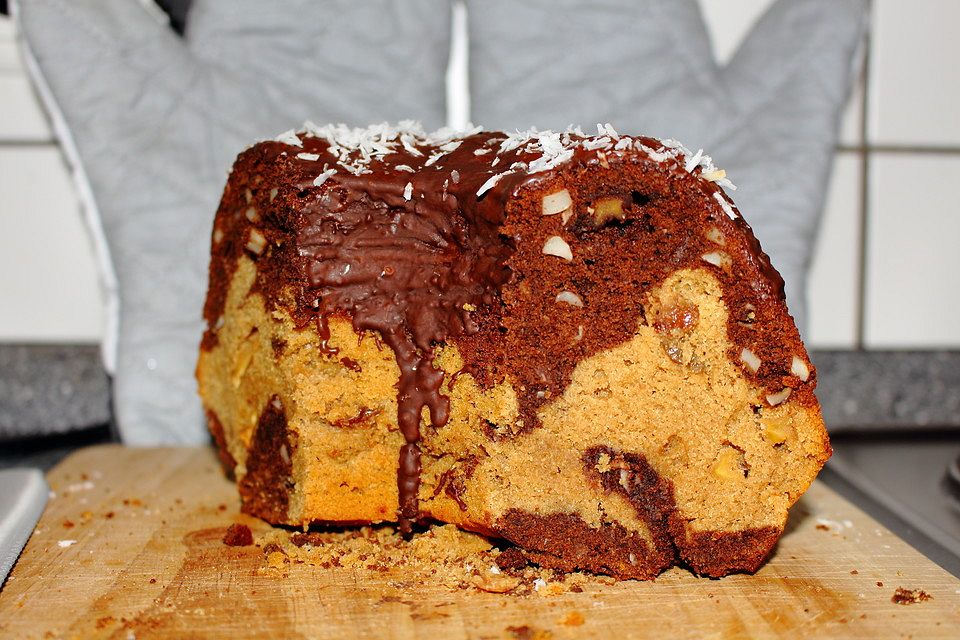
<point x="356" y="148"/>
<point x="602" y="142"/>
<point x="289" y="137"/>
<point x="320" y="179"/>
<point x="490" y="183"/>
<point x="698" y="159"/>
<point x="606" y="129"/>
<point x="727" y="209"/>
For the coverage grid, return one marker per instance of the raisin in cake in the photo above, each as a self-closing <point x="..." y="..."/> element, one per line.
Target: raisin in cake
<point x="572" y="342"/>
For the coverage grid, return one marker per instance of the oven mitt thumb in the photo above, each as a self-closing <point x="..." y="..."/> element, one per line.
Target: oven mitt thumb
<point x="770" y="117"/>
<point x="152" y="122"/>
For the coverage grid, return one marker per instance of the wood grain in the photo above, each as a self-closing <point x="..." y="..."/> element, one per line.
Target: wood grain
<point x="149" y="562"/>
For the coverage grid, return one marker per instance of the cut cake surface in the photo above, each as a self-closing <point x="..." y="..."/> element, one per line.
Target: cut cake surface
<point x="572" y="342"/>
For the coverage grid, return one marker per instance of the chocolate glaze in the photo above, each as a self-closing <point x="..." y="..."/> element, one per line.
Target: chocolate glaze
<point x="409" y="252"/>
<point x="407" y="268"/>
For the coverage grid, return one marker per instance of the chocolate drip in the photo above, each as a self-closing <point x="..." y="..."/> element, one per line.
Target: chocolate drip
<point x="408" y="483"/>
<point x="409" y="268"/>
<point x="323" y="330"/>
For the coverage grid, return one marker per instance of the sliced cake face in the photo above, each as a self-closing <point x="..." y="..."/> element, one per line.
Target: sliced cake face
<point x="571" y="342"/>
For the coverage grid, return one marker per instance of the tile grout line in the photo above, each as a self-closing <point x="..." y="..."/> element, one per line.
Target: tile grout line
<point x="13" y="143"/>
<point x="918" y="149"/>
<point x="864" y="209"/>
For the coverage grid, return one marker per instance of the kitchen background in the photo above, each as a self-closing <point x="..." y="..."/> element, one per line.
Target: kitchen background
<point x="882" y="275"/>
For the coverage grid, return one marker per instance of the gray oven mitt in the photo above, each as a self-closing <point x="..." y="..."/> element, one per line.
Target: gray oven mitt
<point x="152" y="122"/>
<point x="770" y="117"/>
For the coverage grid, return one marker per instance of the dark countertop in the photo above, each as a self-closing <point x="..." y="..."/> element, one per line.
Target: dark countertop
<point x="47" y="389"/>
<point x="882" y="390"/>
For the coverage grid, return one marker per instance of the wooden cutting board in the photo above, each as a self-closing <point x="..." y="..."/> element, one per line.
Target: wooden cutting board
<point x="130" y="546"/>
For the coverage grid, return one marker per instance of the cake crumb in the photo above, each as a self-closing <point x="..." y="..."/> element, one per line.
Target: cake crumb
<point x="495" y="583"/>
<point x="910" y="596"/>
<point x="238" y="535"/>
<point x="443" y="554"/>
<point x="526" y="632"/>
<point x="105" y="622"/>
<point x="276" y="559"/>
<point x="572" y="619"/>
<point x="511" y="559"/>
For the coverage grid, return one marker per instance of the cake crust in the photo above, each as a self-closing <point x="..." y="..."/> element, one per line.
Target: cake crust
<point x="571" y="342"/>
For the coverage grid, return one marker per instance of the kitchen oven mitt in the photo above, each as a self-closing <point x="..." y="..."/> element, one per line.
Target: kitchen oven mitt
<point x="152" y="122"/>
<point x="769" y="118"/>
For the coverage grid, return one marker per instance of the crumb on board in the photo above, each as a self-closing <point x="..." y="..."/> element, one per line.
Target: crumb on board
<point x="238" y="535"/>
<point x="910" y="596"/>
<point x="526" y="632"/>
<point x="444" y="554"/>
<point x="104" y="622"/>
<point x="572" y="619"/>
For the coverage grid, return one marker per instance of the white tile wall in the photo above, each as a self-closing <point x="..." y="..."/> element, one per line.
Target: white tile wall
<point x="834" y="282"/>
<point x="729" y="21"/>
<point x="21" y="118"/>
<point x="49" y="288"/>
<point x="914" y="72"/>
<point x="9" y="56"/>
<point x="913" y="101"/>
<point x="6" y="28"/>
<point x="913" y="293"/>
<point x="458" y="81"/>
<point x="850" y="129"/>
